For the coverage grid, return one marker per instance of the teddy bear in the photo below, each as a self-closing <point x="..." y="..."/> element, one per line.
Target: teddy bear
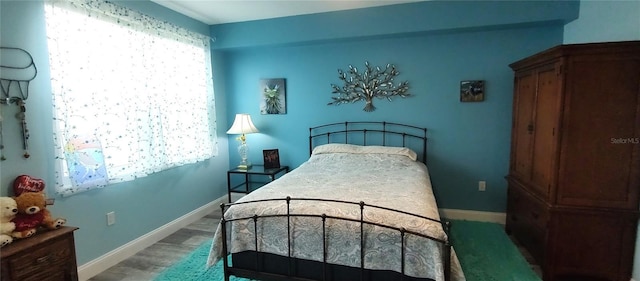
<point x="32" y="213"/>
<point x="8" y="210"/>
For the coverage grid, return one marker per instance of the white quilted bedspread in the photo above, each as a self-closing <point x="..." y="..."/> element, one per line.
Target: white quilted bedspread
<point x="389" y="180"/>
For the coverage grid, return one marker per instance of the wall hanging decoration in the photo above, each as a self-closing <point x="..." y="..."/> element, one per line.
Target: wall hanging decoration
<point x="471" y="90"/>
<point x="369" y="84"/>
<point x="17" y="69"/>
<point x="273" y="96"/>
<point x="85" y="161"/>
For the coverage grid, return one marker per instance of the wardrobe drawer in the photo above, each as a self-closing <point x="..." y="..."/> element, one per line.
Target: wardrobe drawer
<point x="526" y="208"/>
<point x="527" y="221"/>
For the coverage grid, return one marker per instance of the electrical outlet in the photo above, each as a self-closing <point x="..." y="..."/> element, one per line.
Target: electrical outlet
<point x="482" y="185"/>
<point x="111" y="218"/>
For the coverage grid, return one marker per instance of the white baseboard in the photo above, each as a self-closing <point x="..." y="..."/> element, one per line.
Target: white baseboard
<point x="456" y="214"/>
<point x="96" y="266"/>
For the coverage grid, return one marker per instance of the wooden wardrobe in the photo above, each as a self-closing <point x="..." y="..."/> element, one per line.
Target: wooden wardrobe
<point x="574" y="174"/>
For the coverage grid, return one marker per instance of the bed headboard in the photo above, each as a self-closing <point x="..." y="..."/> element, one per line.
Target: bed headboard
<point x="371" y="133"/>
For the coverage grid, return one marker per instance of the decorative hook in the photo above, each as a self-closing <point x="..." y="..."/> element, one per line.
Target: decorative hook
<point x="16" y="68"/>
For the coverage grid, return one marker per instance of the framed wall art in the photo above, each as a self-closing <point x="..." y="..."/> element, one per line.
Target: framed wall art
<point x="471" y="90"/>
<point x="273" y="96"/>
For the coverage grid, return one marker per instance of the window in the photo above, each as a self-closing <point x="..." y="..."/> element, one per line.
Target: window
<point x="131" y="95"/>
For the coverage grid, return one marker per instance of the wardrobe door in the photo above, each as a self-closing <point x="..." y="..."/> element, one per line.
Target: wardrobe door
<point x="600" y="159"/>
<point x="546" y="119"/>
<point x="522" y="130"/>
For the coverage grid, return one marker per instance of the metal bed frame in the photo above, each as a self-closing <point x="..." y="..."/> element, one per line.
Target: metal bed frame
<point x="292" y="269"/>
<point x="382" y="132"/>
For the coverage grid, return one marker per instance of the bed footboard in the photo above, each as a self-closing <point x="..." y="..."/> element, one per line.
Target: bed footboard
<point x="268" y="266"/>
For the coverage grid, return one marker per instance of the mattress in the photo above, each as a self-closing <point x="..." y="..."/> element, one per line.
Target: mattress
<point x="382" y="176"/>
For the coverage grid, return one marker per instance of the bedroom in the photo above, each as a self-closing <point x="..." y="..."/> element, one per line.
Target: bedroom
<point x="434" y="54"/>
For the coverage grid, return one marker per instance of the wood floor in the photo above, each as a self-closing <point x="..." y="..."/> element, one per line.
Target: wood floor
<point x="148" y="263"/>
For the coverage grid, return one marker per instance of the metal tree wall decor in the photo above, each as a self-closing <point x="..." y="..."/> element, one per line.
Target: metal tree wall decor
<point x="369" y="84"/>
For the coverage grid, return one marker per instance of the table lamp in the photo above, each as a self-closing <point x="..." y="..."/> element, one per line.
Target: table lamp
<point x="243" y="125"/>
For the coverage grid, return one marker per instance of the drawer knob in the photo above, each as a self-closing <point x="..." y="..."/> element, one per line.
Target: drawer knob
<point x="43" y="259"/>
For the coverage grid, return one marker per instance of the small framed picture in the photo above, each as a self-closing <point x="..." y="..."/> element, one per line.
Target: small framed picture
<point x="271" y="158"/>
<point x="273" y="96"/>
<point x="471" y="90"/>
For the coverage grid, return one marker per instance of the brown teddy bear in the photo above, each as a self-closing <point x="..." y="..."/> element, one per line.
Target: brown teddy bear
<point x="32" y="213"/>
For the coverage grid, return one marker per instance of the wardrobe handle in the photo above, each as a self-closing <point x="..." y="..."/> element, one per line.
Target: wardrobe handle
<point x="530" y="128"/>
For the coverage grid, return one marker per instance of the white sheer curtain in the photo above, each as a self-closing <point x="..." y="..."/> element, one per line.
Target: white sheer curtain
<point x="132" y="95"/>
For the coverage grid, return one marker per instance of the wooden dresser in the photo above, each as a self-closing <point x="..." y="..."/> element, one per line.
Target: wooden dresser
<point x="48" y="255"/>
<point x="574" y="174"/>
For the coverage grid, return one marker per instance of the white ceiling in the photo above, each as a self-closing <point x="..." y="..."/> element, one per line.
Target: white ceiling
<point x="227" y="11"/>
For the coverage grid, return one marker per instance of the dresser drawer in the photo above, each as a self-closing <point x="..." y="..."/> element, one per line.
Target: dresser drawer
<point x="48" y="255"/>
<point x="52" y="276"/>
<point x="50" y="259"/>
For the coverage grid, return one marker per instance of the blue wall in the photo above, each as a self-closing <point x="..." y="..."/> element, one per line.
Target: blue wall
<point x="394" y="20"/>
<point x="141" y="205"/>
<point x="604" y="21"/>
<point x="468" y="142"/>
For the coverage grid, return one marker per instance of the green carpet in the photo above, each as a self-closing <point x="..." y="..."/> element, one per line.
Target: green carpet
<point x="485" y="252"/>
<point x="193" y="267"/>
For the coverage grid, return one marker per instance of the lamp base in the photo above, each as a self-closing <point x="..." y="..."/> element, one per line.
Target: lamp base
<point x="243" y="149"/>
<point x="244" y="165"/>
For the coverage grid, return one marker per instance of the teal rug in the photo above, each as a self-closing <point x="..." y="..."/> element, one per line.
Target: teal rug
<point x="193" y="267"/>
<point x="485" y="252"/>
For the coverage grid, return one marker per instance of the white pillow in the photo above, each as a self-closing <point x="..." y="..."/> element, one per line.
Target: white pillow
<point x="335" y="148"/>
<point x="359" y="149"/>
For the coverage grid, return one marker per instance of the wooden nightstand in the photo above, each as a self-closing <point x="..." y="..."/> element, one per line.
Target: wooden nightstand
<point x="48" y="255"/>
<point x="249" y="185"/>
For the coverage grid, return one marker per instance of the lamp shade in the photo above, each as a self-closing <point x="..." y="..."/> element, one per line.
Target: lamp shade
<point x="242" y="125"/>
